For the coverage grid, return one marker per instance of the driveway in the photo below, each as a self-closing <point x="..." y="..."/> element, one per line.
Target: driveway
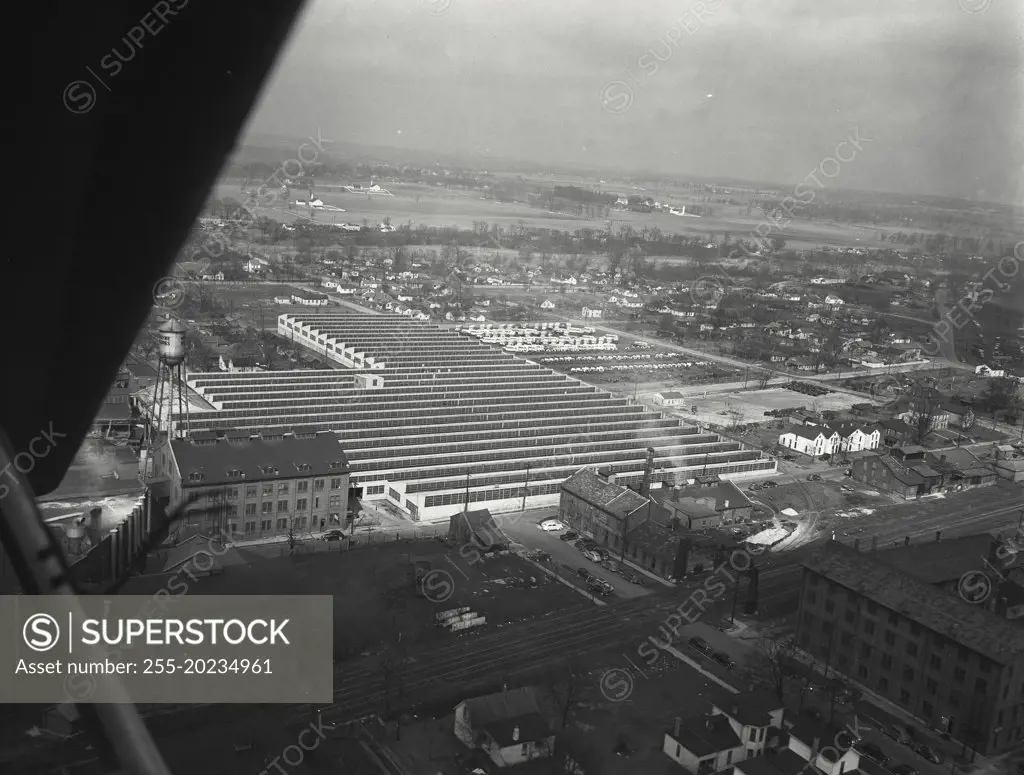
<point x="526" y="531"/>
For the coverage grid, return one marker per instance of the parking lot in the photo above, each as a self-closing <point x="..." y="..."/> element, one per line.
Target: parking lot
<point x="566" y="558"/>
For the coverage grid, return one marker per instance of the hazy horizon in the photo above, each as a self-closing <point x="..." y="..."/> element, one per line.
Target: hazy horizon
<point x="734" y="91"/>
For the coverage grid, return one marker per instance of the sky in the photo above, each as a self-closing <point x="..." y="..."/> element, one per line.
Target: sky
<point x="930" y="91"/>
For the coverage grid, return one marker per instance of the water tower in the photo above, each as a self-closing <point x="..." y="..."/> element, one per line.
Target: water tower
<point x="171" y="385"/>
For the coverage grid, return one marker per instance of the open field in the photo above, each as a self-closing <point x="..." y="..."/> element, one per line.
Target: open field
<point x="376" y="595"/>
<point x="418" y="204"/>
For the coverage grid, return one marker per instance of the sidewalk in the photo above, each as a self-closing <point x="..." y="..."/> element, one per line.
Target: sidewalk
<point x="951" y="748"/>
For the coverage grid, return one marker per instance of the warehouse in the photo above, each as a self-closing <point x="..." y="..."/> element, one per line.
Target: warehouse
<point x="427" y="416"/>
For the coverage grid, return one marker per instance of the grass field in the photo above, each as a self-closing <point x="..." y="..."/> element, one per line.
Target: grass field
<point x="441" y="207"/>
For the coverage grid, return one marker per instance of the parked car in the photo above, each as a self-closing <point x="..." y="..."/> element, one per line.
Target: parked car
<point x="552" y="526"/>
<point x="771" y="484"/>
<point x="592" y="556"/>
<point x="927" y="754"/>
<point x="701" y="645"/>
<point x="846" y="488"/>
<point x="600" y="587"/>
<point x="584" y="574"/>
<point x="569" y="535"/>
<point x="872" y="751"/>
<point x="903" y="769"/>
<point x="332" y="535"/>
<point x="610" y="564"/>
<point x="814" y="478"/>
<point x="899" y="734"/>
<point x="723" y="659"/>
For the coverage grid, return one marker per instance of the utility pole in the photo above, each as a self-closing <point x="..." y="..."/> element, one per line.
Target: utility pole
<point x="465" y="508"/>
<point x="526" y="487"/>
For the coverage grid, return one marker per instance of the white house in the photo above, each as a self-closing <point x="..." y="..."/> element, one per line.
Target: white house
<point x="985" y="371"/>
<point x="834" y="301"/>
<point x="812" y="440"/>
<point x="857" y="438"/>
<point x="703" y="744"/>
<point x="214" y="276"/>
<point x="670" y="398"/>
<point x="752" y="716"/>
<point x="589" y="312"/>
<point x="255" y="265"/>
<point x="310" y="300"/>
<point x="507" y="726"/>
<point x="282" y="300"/>
<point x="547" y="304"/>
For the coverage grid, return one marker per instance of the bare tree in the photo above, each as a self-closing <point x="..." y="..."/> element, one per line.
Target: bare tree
<point x="776" y="652"/>
<point x="567" y="685"/>
<point x="925" y="405"/>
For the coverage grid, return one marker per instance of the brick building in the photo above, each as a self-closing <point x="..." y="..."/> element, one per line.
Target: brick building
<point x="953" y="665"/>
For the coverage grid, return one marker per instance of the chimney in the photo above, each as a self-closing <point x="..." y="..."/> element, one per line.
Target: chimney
<point x="675" y="494"/>
<point x="726" y="505"/>
<point x="515" y="734"/>
<point x="938" y="536"/>
<point x="942" y="459"/>
<point x="675" y="729"/>
<point x="645" y="487"/>
<point x="610" y="477"/>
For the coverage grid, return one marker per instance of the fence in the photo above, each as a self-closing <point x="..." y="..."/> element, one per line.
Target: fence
<point x="359" y="540"/>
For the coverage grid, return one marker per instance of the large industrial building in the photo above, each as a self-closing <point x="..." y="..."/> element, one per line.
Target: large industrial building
<point x="427" y="415"/>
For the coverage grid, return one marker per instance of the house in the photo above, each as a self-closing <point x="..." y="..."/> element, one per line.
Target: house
<point x="827" y="747"/>
<point x="854" y="437"/>
<point x="670" y="398"/>
<point x="589" y="312"/>
<point x="834" y="301"/>
<point x="895" y="432"/>
<point x="507" y="726"/>
<point x="904" y="478"/>
<point x="215" y="276"/>
<point x="961" y="469"/>
<point x="478" y="529"/>
<point x="310" y="299"/>
<point x="985" y="371"/>
<point x="707" y="504"/>
<point x="756" y="718"/>
<point x="811" y="440"/>
<point x="255" y="265"/>
<point x="282" y="300"/>
<point x="1009" y="463"/>
<point x="547" y="304"/>
<point x="703" y="744"/>
<point x="599" y="508"/>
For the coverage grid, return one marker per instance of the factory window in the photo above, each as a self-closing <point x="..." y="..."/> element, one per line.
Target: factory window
<point x="930" y="686"/>
<point x="282" y="488"/>
<point x="195" y="477"/>
<point x="869" y="627"/>
<point x="302" y="486"/>
<point x="316" y="503"/>
<point x="300" y="504"/>
<point x="250" y="509"/>
<point x="890" y="638"/>
<point x="926" y="708"/>
<point x="904" y="697"/>
<point x="282" y="524"/>
<point x="232" y="492"/>
<point x="318" y="485"/>
<point x="334" y="500"/>
<point x="936" y="662"/>
<point x="375" y="489"/>
<point x="336" y="483"/>
<point x="268" y="489"/>
<point x="266" y="507"/>
<point x="250" y="527"/>
<point x="911" y="649"/>
<point x="300" y="523"/>
<point x="865" y="650"/>
<point x="250" y="491"/>
<point x="842" y="661"/>
<point x="883" y="684"/>
<point x="886" y="662"/>
<point x="908" y="674"/>
<point x="265" y="525"/>
<point x="282" y="506"/>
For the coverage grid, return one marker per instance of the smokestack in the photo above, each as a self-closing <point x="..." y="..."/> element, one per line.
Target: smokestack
<point x="515" y="734"/>
<point x="938" y="536"/>
<point x="645" y="487"/>
<point x="675" y="729"/>
<point x="610" y="477"/>
<point x="675" y="493"/>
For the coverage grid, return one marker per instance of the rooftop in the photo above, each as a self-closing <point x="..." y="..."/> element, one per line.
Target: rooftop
<point x="785" y="762"/>
<point x="254" y="460"/>
<point x="753" y="708"/>
<point x="616" y="499"/>
<point x="938" y="561"/>
<point x="927" y="605"/>
<point x="531" y="727"/>
<point x="705" y="735"/>
<point x="725" y="495"/>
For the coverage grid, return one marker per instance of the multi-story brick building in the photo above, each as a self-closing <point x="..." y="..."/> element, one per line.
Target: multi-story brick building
<point x="954" y="665"/>
<point x="259" y="486"/>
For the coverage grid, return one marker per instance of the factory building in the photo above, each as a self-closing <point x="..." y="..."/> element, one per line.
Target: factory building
<point x="429" y="416"/>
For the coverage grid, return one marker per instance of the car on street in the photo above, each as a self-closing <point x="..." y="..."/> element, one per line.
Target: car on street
<point x="872" y="752"/>
<point x="332" y="535"/>
<point x="723" y="659"/>
<point x="903" y="769"/>
<point x="569" y="535"/>
<point x="609" y="564"/>
<point x="584" y="574"/>
<point x="899" y="734"/>
<point x="814" y="478"/>
<point x="585" y="543"/>
<point x="600" y="586"/>
<point x="846" y="488"/>
<point x="771" y="484"/>
<point x="927" y="754"/>
<point x="701" y="645"/>
<point x="552" y="526"/>
<point x="591" y="555"/>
